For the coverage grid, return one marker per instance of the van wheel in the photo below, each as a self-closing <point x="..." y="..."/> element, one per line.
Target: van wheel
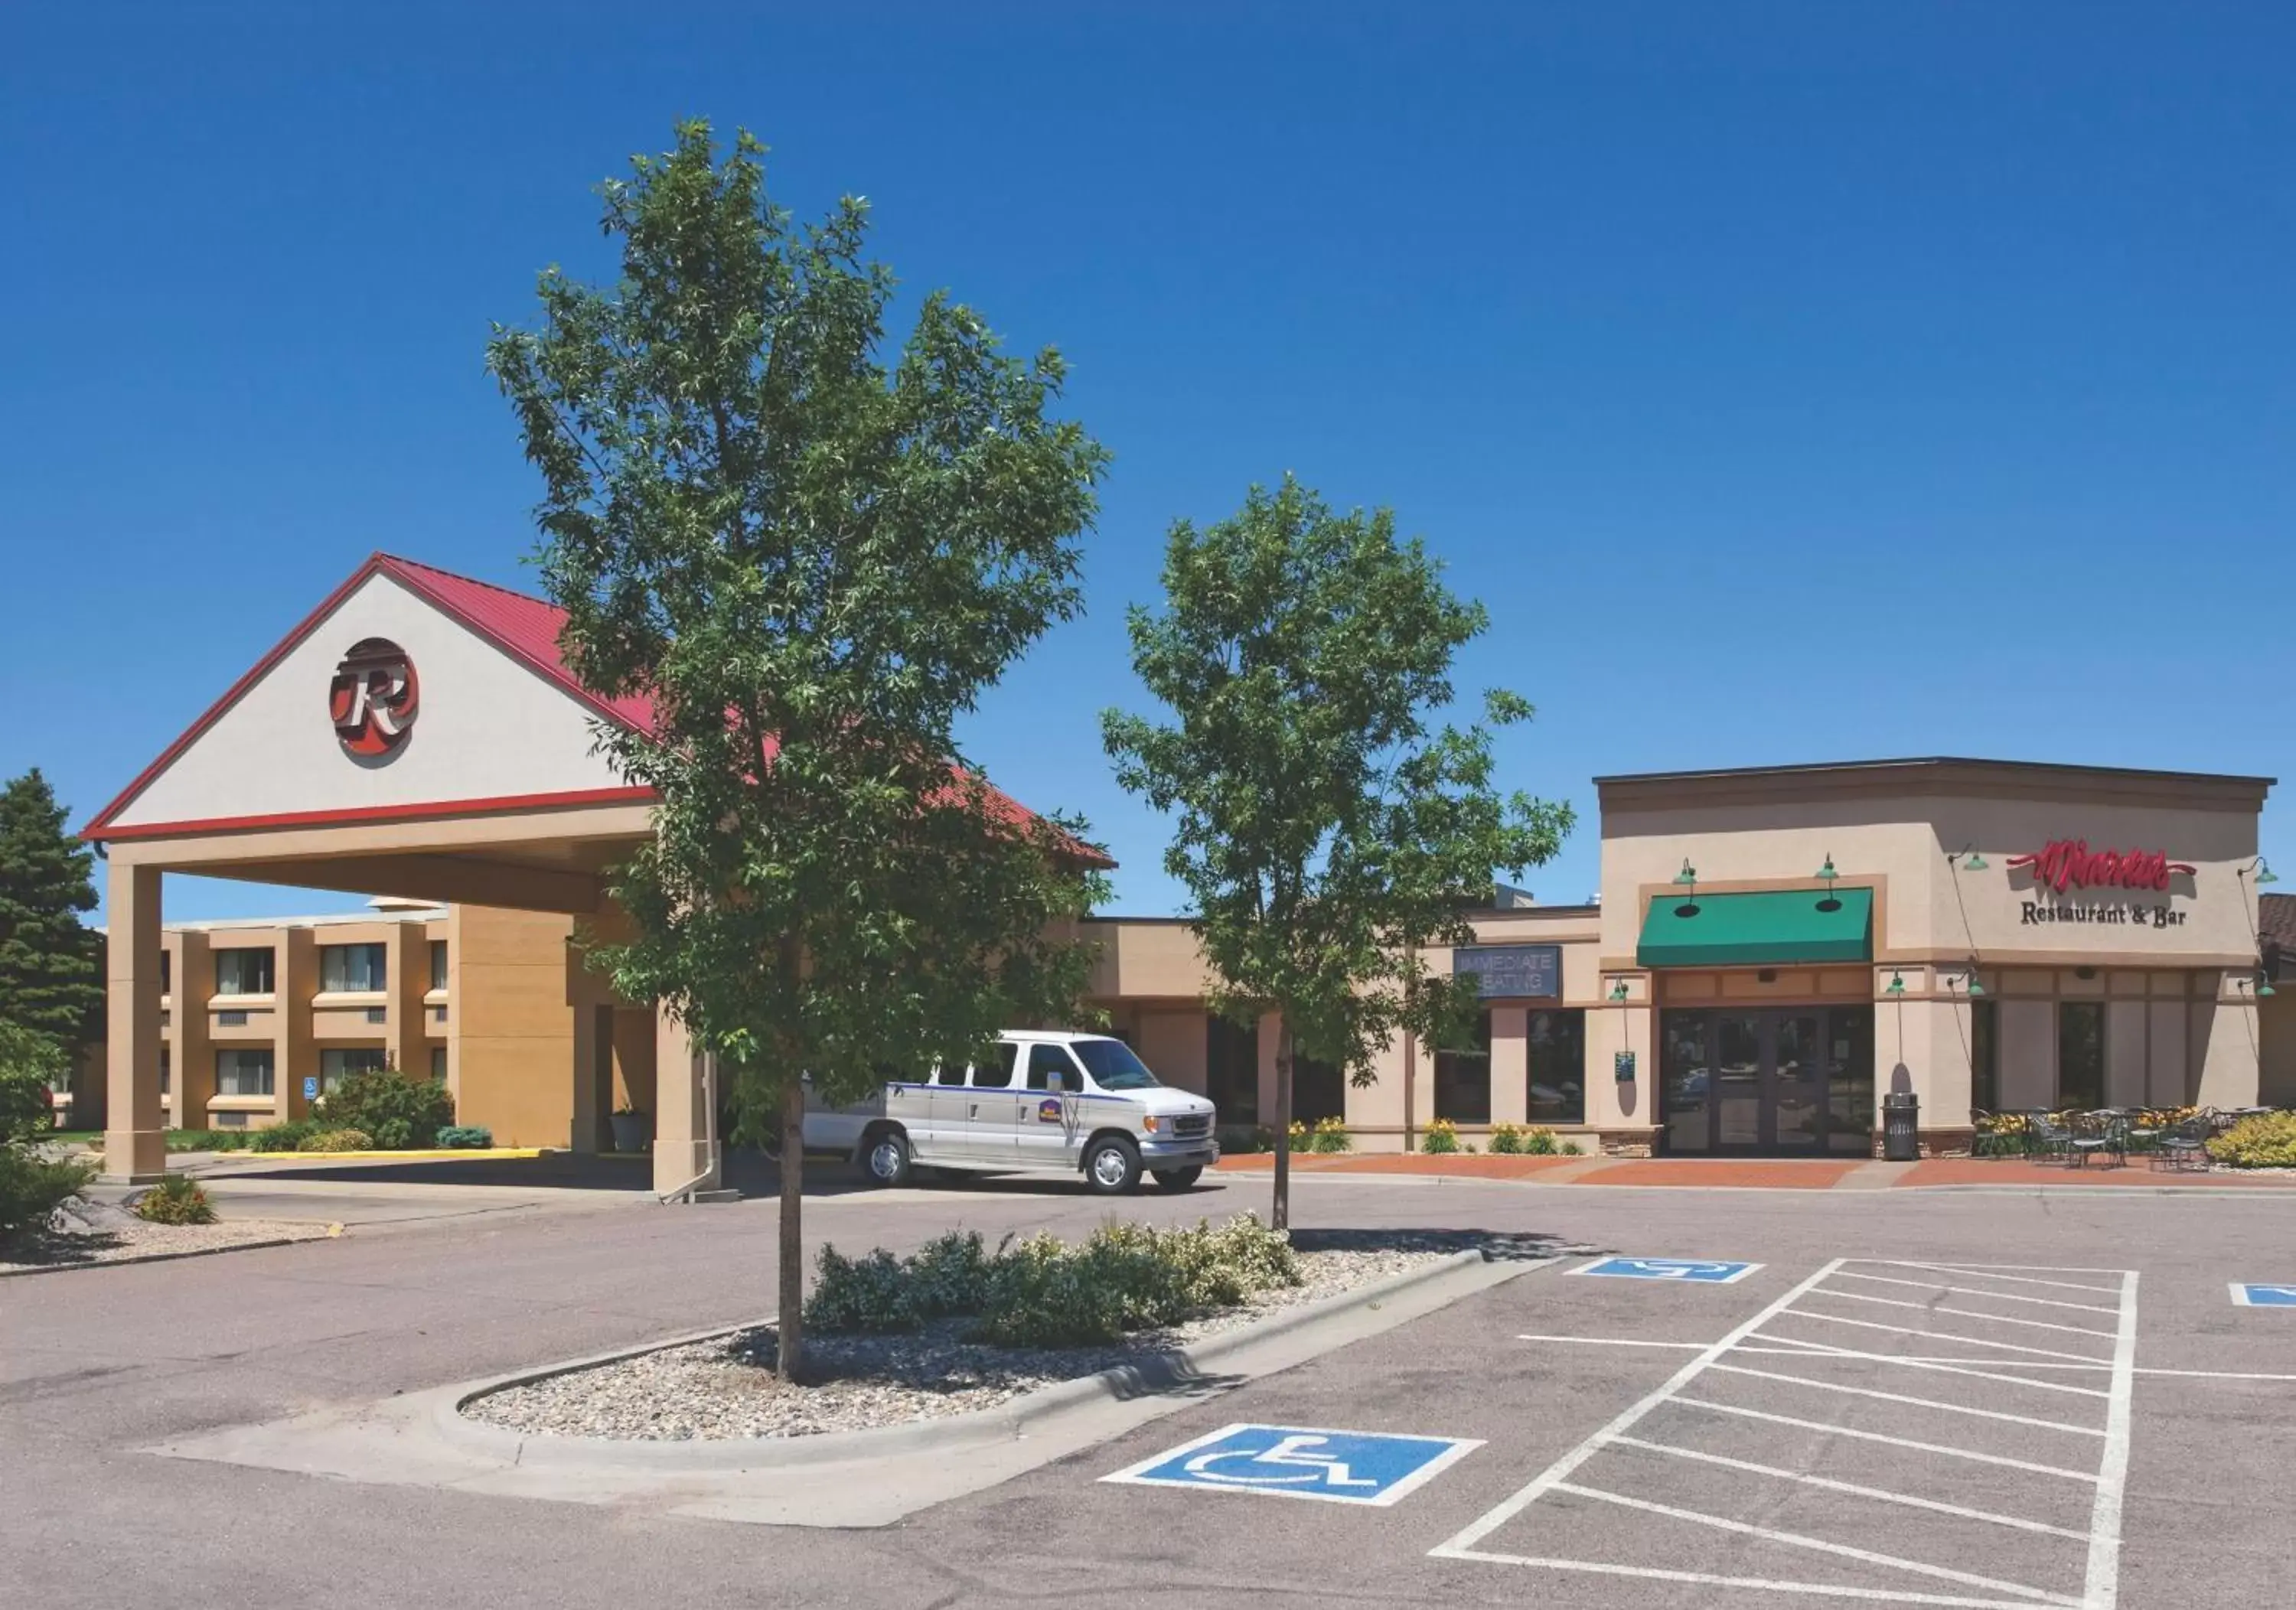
<point x="887" y="1160"/>
<point x="1112" y="1167"/>
<point x="1178" y="1178"/>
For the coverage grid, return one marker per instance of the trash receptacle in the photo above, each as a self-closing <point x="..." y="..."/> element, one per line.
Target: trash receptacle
<point x="1901" y="1117"/>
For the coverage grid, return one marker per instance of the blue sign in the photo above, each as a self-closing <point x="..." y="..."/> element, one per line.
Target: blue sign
<point x="1511" y="971"/>
<point x="1697" y="1272"/>
<point x="311" y="1088"/>
<point x="1296" y="1462"/>
<point x="2264" y="1296"/>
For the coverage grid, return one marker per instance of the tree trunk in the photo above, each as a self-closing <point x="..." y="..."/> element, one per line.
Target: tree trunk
<point x="1280" y="1214"/>
<point x="789" y="1357"/>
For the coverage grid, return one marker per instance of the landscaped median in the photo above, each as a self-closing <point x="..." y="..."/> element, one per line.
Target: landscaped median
<point x="958" y="1327"/>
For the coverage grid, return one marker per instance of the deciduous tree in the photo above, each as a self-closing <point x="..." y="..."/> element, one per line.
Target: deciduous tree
<point x="1328" y="831"/>
<point x="812" y="562"/>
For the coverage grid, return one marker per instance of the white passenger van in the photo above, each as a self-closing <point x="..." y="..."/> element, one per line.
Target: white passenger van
<point x="1042" y="1101"/>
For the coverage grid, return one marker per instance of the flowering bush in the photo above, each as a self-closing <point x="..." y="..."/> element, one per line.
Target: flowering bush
<point x="2266" y="1140"/>
<point x="1507" y="1139"/>
<point x="177" y="1200"/>
<point x="1332" y="1135"/>
<point x="1442" y="1136"/>
<point x="336" y="1141"/>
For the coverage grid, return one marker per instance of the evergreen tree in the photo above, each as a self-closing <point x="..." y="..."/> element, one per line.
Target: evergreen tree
<point x="51" y="963"/>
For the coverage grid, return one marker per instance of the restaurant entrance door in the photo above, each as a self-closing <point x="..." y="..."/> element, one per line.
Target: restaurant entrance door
<point x="1783" y="1082"/>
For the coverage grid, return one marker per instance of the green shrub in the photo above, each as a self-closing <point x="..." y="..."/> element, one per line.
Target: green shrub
<point x="2266" y="1140"/>
<point x="31" y="1066"/>
<point x="31" y="1187"/>
<point x="1331" y="1135"/>
<point x="1506" y="1140"/>
<point x="465" y="1137"/>
<point x="1043" y="1293"/>
<point x="177" y="1200"/>
<point x="211" y="1139"/>
<point x="336" y="1141"/>
<point x="397" y="1110"/>
<point x="1570" y="1149"/>
<point x="1539" y="1143"/>
<point x="282" y="1137"/>
<point x="1442" y="1136"/>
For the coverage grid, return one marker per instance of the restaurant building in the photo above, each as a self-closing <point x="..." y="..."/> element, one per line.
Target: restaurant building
<point x="1772" y="950"/>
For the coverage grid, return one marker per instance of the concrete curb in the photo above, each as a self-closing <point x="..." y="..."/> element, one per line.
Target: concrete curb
<point x="1155" y="1374"/>
<point x="162" y="1257"/>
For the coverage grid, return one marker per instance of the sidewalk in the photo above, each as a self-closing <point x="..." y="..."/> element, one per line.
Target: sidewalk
<point x="1763" y="1173"/>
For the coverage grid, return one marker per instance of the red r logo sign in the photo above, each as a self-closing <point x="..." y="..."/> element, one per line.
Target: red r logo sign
<point x="373" y="697"/>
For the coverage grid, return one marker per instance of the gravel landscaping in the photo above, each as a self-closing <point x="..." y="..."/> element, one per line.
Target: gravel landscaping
<point x="726" y="1387"/>
<point x="84" y="1233"/>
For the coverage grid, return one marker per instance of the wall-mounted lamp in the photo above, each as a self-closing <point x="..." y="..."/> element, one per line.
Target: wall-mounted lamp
<point x="1976" y="989"/>
<point x="2262" y="871"/>
<point x="1896" y="985"/>
<point x="1619" y="990"/>
<point x="1828" y="874"/>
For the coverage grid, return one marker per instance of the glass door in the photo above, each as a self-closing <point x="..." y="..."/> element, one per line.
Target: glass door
<point x="1791" y="1081"/>
<point x="1797" y="1082"/>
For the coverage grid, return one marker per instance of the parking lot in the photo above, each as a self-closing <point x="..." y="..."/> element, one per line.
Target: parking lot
<point x="1983" y="1400"/>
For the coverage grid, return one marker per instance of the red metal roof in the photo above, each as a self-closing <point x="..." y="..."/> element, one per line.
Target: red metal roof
<point x="525" y="627"/>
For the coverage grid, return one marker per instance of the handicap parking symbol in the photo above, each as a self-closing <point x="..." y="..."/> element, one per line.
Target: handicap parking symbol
<point x="1697" y="1272"/>
<point x="1301" y="1462"/>
<point x="2263" y="1297"/>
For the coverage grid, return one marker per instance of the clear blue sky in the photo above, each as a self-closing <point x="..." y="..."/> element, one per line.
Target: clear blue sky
<point x="1794" y="381"/>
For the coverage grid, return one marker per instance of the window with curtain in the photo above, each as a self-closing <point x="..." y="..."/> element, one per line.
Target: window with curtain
<point x="2080" y="1054"/>
<point x="1463" y="1078"/>
<point x="351" y="967"/>
<point x="438" y="964"/>
<point x="243" y="971"/>
<point x="338" y="1063"/>
<point x="1558" y="1066"/>
<point x="1984" y="1058"/>
<point x="243" y="1073"/>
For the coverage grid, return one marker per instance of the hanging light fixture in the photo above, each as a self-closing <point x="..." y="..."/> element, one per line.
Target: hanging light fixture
<point x="1976" y="989"/>
<point x="1688" y="877"/>
<point x="1828" y="874"/>
<point x="1618" y="990"/>
<point x="1975" y="863"/>
<point x="1896" y="985"/>
<point x="2264" y="872"/>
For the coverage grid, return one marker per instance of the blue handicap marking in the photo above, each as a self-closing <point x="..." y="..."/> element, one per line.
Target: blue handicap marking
<point x="2263" y="1297"/>
<point x="311" y="1089"/>
<point x="1301" y="1462"/>
<point x="1698" y="1271"/>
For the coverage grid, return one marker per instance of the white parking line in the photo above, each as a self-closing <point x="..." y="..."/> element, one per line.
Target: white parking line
<point x="1946" y="1354"/>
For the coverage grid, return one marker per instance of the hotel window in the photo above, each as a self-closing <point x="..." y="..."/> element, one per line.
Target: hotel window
<point x="242" y="1073"/>
<point x="337" y="1064"/>
<point x="1558" y="1067"/>
<point x="438" y="1063"/>
<point x="1232" y="1068"/>
<point x="1319" y="1090"/>
<point x="438" y="964"/>
<point x="344" y="968"/>
<point x="2080" y="1055"/>
<point x="167" y="972"/>
<point x="1463" y="1078"/>
<point x="167" y="1071"/>
<point x="1984" y="1058"/>
<point x="243" y="971"/>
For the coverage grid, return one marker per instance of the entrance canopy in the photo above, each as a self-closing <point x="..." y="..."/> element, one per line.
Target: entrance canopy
<point x="1766" y="928"/>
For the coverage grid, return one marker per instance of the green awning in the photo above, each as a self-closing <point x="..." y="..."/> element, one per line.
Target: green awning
<point x="1762" y="929"/>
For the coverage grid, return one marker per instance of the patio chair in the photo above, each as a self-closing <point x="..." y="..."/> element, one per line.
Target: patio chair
<point x="2100" y="1135"/>
<point x="2186" y="1145"/>
<point x="2047" y="1136"/>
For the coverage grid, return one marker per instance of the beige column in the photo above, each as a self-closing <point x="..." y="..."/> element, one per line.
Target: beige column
<point x="406" y="978"/>
<point x="295" y="1051"/>
<point x="1615" y="1026"/>
<point x="135" y="1142"/>
<point x="2230" y="1062"/>
<point x="681" y="1122"/>
<point x="191" y="1068"/>
<point x="1510" y="1065"/>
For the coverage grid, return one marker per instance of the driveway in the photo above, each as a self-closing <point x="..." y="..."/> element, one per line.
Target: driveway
<point x="96" y="1365"/>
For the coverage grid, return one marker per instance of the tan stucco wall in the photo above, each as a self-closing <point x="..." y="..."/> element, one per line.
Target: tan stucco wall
<point x="2277" y="1026"/>
<point x="513" y="1031"/>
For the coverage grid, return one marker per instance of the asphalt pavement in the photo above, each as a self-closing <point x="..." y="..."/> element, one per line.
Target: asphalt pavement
<point x="2012" y="1397"/>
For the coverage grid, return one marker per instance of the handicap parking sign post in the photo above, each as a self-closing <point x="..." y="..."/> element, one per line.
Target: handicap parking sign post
<point x="1695" y="1271"/>
<point x="310" y="1088"/>
<point x="2263" y="1297"/>
<point x="1301" y="1462"/>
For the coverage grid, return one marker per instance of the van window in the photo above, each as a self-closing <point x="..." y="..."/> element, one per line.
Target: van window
<point x="994" y="1069"/>
<point x="1112" y="1064"/>
<point x="1049" y="1069"/>
<point x="946" y="1073"/>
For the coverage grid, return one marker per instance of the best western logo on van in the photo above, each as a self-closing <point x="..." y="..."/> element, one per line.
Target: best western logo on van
<point x="1080" y="1103"/>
